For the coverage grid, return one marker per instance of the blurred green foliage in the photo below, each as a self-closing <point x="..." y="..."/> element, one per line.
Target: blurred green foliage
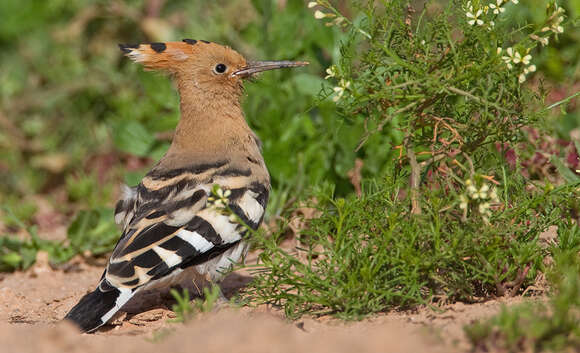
<point x="68" y="93"/>
<point x="90" y="233"/>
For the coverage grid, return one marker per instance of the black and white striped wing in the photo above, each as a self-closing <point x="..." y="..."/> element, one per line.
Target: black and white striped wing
<point x="125" y="208"/>
<point x="168" y="226"/>
<point x="173" y="227"/>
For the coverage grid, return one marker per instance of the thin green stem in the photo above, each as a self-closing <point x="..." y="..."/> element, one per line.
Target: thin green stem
<point x="477" y="99"/>
<point x="565" y="100"/>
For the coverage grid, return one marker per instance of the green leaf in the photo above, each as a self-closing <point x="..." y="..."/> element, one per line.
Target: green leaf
<point x="307" y="84"/>
<point x="93" y="231"/>
<point x="134" y="178"/>
<point x="12" y="260"/>
<point x="564" y="171"/>
<point x="132" y="137"/>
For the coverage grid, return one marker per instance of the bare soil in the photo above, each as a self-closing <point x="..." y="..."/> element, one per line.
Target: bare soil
<point x="32" y="304"/>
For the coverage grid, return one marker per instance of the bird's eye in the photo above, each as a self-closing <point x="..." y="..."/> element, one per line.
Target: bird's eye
<point x="220" y="68"/>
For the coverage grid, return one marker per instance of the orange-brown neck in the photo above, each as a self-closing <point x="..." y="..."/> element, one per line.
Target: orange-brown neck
<point x="212" y="121"/>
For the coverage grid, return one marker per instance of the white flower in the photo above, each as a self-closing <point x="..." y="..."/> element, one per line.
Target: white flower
<point x="510" y="52"/>
<point x="515" y="1"/>
<point x="527" y="70"/>
<point x="510" y="57"/>
<point x="319" y="15"/>
<point x="526" y="59"/>
<point x="543" y="41"/>
<point x="475" y="193"/>
<point x="339" y="90"/>
<point x="493" y="195"/>
<point x="331" y="71"/>
<point x="312" y="4"/>
<point x="555" y="21"/>
<point x="497" y="7"/>
<point x="531" y="68"/>
<point x="472" y="191"/>
<point x="498" y="51"/>
<point x="474" y="17"/>
<point x="481" y="193"/>
<point x="483" y="208"/>
<point x="337" y="21"/>
<point x="556" y="26"/>
<point x="514" y="57"/>
<point x="464" y="202"/>
<point x="517" y="58"/>
<point x="219" y="199"/>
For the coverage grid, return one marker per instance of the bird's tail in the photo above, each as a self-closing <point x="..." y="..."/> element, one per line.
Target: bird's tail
<point x="97" y="307"/>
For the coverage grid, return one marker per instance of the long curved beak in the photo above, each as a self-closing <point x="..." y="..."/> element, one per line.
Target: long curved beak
<point x="259" y="66"/>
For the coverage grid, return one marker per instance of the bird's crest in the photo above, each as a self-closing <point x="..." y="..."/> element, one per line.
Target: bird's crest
<point x="170" y="56"/>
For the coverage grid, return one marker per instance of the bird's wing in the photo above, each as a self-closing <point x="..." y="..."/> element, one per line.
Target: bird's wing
<point x="169" y="225"/>
<point x="173" y="226"/>
<point x="125" y="208"/>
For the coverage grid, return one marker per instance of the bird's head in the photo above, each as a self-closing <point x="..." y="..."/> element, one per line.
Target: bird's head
<point x="200" y="64"/>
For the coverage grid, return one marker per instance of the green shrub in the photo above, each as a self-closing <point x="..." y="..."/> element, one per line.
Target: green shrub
<point x="368" y="254"/>
<point x="450" y="219"/>
<point x="553" y="325"/>
<point x="449" y="81"/>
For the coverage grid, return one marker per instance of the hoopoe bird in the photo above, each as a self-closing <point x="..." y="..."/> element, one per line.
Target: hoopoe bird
<point x="169" y="227"/>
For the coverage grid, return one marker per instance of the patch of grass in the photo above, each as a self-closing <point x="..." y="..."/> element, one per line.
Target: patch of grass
<point x="90" y="233"/>
<point x="93" y="231"/>
<point x="18" y="254"/>
<point x="183" y="308"/>
<point x="17" y="212"/>
<point x="211" y="296"/>
<point x="550" y="326"/>
<point x="369" y="254"/>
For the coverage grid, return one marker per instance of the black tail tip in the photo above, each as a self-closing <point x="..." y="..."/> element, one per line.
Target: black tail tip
<point x="87" y="315"/>
<point x="83" y="324"/>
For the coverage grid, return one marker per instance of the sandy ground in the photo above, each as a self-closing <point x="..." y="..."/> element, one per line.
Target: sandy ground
<point x="32" y="303"/>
